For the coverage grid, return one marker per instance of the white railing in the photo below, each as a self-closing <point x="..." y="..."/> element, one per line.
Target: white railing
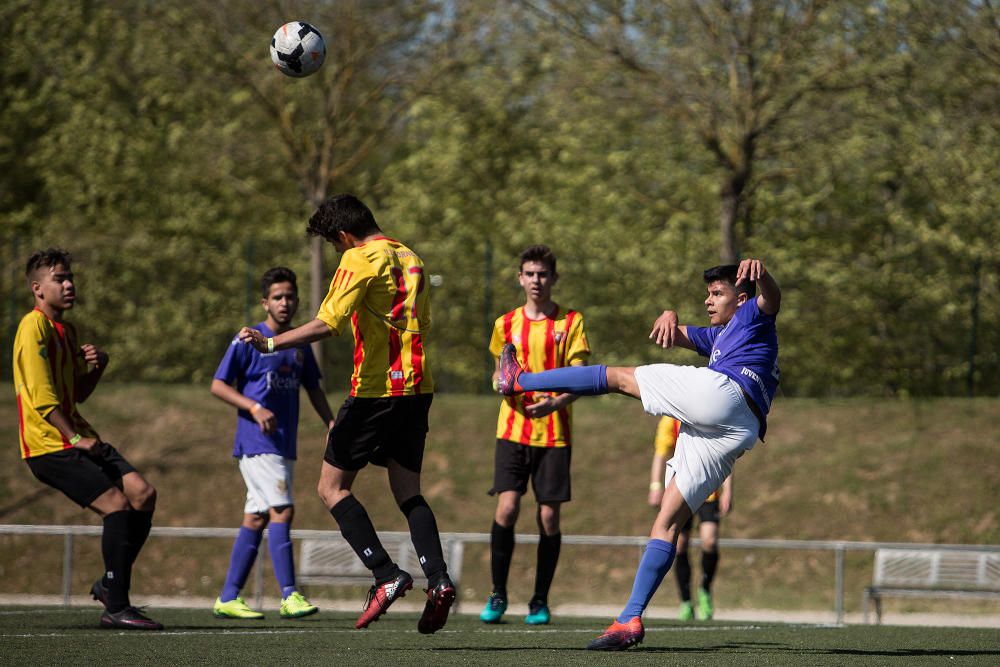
<point x="839" y="548"/>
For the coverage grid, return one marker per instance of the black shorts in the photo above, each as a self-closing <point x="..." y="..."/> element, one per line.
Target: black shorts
<point x="707" y="513"/>
<point x="374" y="430"/>
<point x="548" y="468"/>
<point x="81" y="476"/>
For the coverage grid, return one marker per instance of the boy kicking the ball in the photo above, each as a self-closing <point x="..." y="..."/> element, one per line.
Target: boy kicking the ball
<point x="267" y="398"/>
<point x="722" y="409"/>
<point x="379" y="288"/>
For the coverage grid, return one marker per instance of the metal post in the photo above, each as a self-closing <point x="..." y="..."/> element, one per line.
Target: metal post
<point x="839" y="568"/>
<point x="67" y="583"/>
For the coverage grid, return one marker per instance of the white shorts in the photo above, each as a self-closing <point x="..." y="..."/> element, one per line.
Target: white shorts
<point x="717" y="426"/>
<point x="269" y="482"/>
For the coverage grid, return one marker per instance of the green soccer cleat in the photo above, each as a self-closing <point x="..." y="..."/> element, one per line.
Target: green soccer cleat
<point x="495" y="607"/>
<point x="686" y="611"/>
<point x="705" y="610"/>
<point x="235" y="608"/>
<point x="538" y="613"/>
<point x="297" y="606"/>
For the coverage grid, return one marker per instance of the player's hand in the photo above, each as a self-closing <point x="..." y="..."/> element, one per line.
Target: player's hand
<point x="94" y="356"/>
<point x="655" y="497"/>
<point x="725" y="503"/>
<point x="542" y="407"/>
<point x="265" y="420"/>
<point x="665" y="329"/>
<point x="92" y="446"/>
<point x="750" y="269"/>
<point x="253" y="337"/>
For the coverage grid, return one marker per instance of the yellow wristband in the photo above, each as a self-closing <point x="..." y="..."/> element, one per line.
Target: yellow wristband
<point x="75" y="439"/>
<point x="270" y="345"/>
<point x="655" y="486"/>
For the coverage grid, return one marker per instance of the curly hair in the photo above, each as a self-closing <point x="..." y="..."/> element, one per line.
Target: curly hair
<point x="48" y="258"/>
<point x="342" y="213"/>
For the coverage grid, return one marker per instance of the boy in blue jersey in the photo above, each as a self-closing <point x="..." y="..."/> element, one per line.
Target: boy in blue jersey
<point x="722" y="409"/>
<point x="267" y="397"/>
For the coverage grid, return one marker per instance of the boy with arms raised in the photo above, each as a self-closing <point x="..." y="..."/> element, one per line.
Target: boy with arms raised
<point x="722" y="409"/>
<point x="52" y="374"/>
<point x="267" y="397"/>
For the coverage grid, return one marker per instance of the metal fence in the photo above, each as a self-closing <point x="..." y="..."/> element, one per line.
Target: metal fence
<point x="839" y="548"/>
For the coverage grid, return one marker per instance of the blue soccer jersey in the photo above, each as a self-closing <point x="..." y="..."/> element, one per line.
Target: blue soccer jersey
<point x="273" y="380"/>
<point x="746" y="350"/>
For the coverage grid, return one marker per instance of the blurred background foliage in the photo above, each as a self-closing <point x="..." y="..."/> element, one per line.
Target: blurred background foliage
<point x="852" y="145"/>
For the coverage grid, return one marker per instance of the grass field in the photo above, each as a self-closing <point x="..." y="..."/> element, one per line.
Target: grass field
<point x="891" y="470"/>
<point x="193" y="637"/>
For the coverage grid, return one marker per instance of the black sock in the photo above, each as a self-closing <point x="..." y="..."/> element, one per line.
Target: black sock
<point x="426" y="539"/>
<point x="709" y="562"/>
<point x="501" y="553"/>
<point x="139" y="524"/>
<point x="545" y="569"/>
<point x="682" y="566"/>
<point x="359" y="532"/>
<point x="115" y="549"/>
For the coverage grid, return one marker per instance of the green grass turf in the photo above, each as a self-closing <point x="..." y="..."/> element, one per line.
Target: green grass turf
<point x="57" y="636"/>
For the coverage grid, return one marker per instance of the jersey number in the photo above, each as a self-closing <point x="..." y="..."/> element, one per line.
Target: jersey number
<point x="406" y="289"/>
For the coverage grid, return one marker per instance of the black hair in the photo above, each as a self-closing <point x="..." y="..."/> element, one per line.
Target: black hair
<point x="727" y="273"/>
<point x="48" y="258"/>
<point x="342" y="213"/>
<point x="538" y="253"/>
<point x="277" y="274"/>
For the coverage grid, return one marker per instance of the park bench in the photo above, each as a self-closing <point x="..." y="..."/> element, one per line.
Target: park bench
<point x="332" y="561"/>
<point x="932" y="573"/>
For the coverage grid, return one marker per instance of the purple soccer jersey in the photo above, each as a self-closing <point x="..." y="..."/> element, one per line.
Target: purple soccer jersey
<point x="746" y="350"/>
<point x="273" y="380"/>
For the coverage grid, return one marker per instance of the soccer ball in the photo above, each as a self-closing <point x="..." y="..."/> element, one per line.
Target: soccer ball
<point x="297" y="49"/>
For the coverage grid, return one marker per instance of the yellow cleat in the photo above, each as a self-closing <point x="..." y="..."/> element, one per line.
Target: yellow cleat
<point x="236" y="608"/>
<point x="297" y="606"/>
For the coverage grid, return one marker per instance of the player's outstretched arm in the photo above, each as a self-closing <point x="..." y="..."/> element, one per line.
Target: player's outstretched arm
<point x="307" y="333"/>
<point x="668" y="333"/>
<point x="769" y="299"/>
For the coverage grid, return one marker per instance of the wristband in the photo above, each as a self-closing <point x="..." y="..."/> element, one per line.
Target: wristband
<point x="270" y="345"/>
<point x="256" y="406"/>
<point x="655" y="486"/>
<point x="75" y="439"/>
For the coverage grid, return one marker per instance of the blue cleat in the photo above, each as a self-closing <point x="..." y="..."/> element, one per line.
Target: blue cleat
<point x="495" y="607"/>
<point x="538" y="613"/>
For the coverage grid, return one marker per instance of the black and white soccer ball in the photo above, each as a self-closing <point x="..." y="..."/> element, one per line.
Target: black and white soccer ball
<point x="298" y="49"/>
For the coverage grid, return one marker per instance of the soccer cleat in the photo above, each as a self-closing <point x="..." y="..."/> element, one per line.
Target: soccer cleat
<point x="236" y="608"/>
<point x="538" y="613"/>
<point x="510" y="370"/>
<point x="705" y="609"/>
<point x="686" y="611"/>
<point x="619" y="636"/>
<point x="100" y="592"/>
<point x="381" y="596"/>
<point x="297" y="606"/>
<point x="129" y="618"/>
<point x="494" y="609"/>
<point x="439" y="601"/>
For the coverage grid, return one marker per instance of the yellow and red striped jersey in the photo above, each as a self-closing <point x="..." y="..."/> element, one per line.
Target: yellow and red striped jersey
<point x="552" y="342"/>
<point x="379" y="286"/>
<point x="47" y="366"/>
<point x="666" y="442"/>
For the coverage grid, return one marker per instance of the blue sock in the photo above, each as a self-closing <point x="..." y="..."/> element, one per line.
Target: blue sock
<point x="279" y="542"/>
<point x="244" y="554"/>
<point x="655" y="564"/>
<point x="579" y="380"/>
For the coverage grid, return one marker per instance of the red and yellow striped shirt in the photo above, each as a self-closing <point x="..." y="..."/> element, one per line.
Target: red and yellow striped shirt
<point x="47" y="366"/>
<point x="380" y="287"/>
<point x="667" y="431"/>
<point x="543" y="344"/>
